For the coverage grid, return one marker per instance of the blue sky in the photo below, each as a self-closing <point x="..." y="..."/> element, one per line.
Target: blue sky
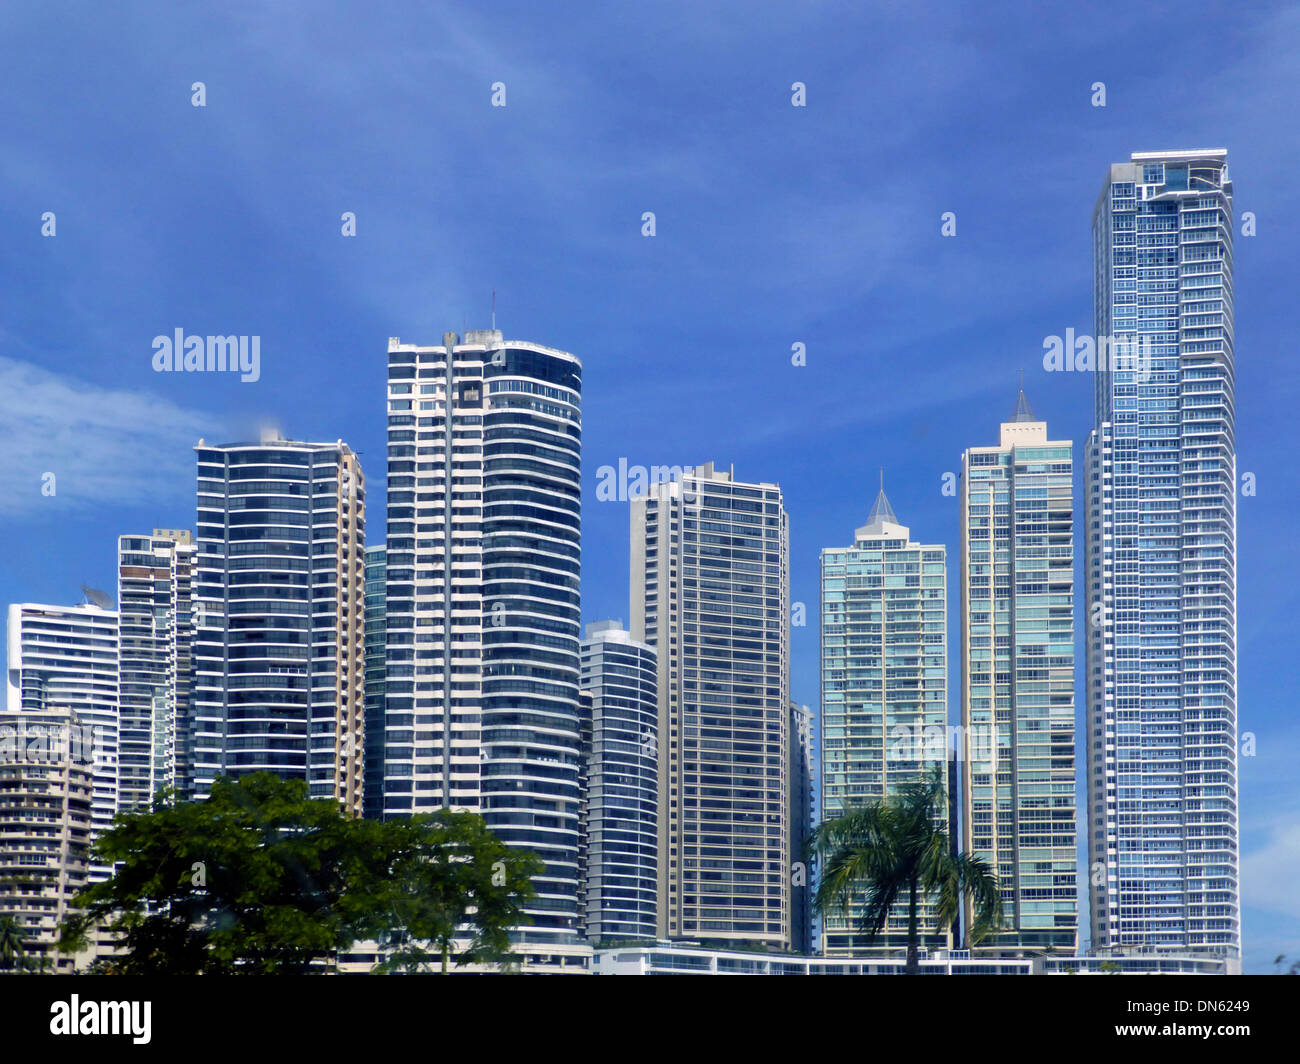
<point x="775" y="225"/>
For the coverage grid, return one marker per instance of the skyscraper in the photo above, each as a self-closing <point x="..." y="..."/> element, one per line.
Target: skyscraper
<point x="802" y="781"/>
<point x="484" y="479"/>
<point x="884" y="683"/>
<point x="279" y="602"/>
<point x="621" y="785"/>
<point x="1017" y="692"/>
<point x="711" y="594"/>
<point x="1161" y="561"/>
<point x="155" y="605"/>
<point x="375" y="665"/>
<point x="66" y="658"/>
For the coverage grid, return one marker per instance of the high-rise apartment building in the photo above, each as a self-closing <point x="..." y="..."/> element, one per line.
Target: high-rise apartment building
<point x="66" y="658"/>
<point x="802" y="782"/>
<point x="482" y="616"/>
<point x="884" y="685"/>
<point x="1161" y="560"/>
<point x="376" y="598"/>
<point x="279" y="602"/>
<point x="46" y="767"/>
<point x="710" y="592"/>
<point x="1017" y="692"/>
<point x="155" y="577"/>
<point x="621" y="785"/>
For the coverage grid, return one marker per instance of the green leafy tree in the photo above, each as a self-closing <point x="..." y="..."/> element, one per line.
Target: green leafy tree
<point x="12" y="951"/>
<point x="257" y="879"/>
<point x="455" y="882"/>
<point x="892" y="852"/>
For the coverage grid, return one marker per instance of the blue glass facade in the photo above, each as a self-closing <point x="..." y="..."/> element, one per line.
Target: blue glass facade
<point x="279" y="641"/>
<point x="1161" y="562"/>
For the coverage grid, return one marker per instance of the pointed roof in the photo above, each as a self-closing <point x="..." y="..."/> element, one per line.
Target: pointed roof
<point x="882" y="520"/>
<point x="1023" y="413"/>
<point x="881" y="510"/>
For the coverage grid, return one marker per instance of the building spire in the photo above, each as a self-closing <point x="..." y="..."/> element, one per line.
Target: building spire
<point x="882" y="520"/>
<point x="1023" y="413"/>
<point x="881" y="510"/>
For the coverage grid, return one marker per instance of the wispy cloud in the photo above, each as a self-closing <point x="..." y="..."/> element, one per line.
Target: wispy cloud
<point x="1270" y="873"/>
<point x="102" y="445"/>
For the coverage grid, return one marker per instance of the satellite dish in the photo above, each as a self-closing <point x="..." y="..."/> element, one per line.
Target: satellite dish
<point x="98" y="598"/>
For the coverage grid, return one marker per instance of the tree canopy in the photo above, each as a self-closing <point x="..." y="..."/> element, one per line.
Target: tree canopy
<point x="259" y="878"/>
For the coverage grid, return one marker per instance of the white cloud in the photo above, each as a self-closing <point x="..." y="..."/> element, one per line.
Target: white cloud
<point x="103" y="445"/>
<point x="1270" y="874"/>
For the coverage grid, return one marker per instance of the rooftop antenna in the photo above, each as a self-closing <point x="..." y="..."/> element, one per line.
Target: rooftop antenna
<point x="494" y="310"/>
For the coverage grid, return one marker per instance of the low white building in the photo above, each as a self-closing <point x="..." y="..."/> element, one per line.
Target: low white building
<point x="675" y="959"/>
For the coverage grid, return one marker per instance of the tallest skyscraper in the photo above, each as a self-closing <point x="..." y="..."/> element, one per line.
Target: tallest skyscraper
<point x="1161" y="561"/>
<point x="481" y="620"/>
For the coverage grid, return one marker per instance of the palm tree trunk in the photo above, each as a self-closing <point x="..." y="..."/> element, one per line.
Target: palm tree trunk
<point x="913" y="957"/>
<point x="444" y="958"/>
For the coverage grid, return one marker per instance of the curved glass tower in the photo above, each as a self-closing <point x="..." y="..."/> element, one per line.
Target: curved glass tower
<point x="1162" y="560"/>
<point x="481" y="708"/>
<point x="621" y="794"/>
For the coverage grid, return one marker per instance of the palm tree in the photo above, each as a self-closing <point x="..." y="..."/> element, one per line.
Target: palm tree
<point x="11" y="942"/>
<point x="892" y="851"/>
